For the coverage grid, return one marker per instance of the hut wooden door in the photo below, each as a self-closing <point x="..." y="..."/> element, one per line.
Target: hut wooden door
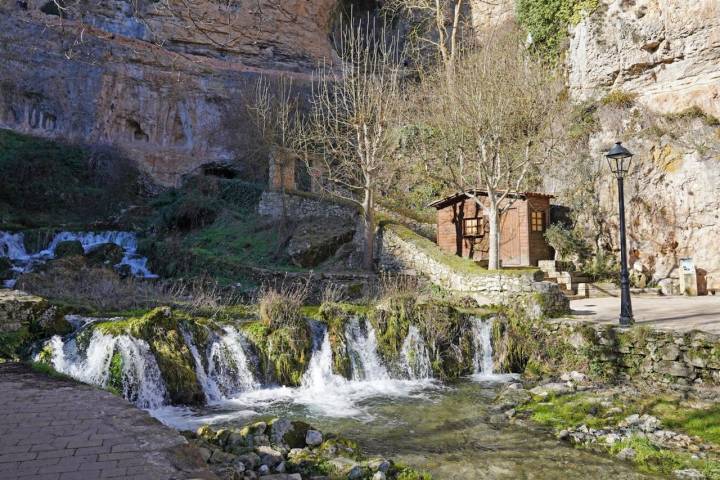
<point x="510" y="238"/>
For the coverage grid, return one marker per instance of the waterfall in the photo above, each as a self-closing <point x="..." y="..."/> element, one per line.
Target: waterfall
<point x="362" y="349"/>
<point x="142" y="382"/>
<point x="12" y="246"/>
<point x="414" y="354"/>
<point x="482" y="336"/>
<point x="319" y="375"/>
<point x="209" y="386"/>
<point x="229" y="370"/>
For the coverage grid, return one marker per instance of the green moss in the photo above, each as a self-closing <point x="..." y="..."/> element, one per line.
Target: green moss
<point x="572" y="410"/>
<point x="13" y="344"/>
<point x="115" y="380"/>
<point x="161" y="329"/>
<point x="284" y="352"/>
<point x="650" y="458"/>
<point x="547" y="21"/>
<point x="48" y="183"/>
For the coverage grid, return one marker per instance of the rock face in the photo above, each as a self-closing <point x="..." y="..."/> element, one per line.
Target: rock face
<point x="668" y="52"/>
<point x="166" y="94"/>
<point x="672" y="196"/>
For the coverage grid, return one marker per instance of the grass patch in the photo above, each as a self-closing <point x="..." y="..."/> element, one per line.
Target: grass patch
<point x="695" y="112"/>
<point x="619" y="98"/>
<point x="572" y="410"/>
<point x="458" y="264"/>
<point x="47" y="183"/>
<point x="652" y="459"/>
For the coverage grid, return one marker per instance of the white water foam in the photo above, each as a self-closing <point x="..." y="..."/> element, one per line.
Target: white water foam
<point x="141" y="379"/>
<point x="12" y="246"/>
<point x="228" y="365"/>
<point x="362" y="349"/>
<point x="483" y="358"/>
<point x="414" y="355"/>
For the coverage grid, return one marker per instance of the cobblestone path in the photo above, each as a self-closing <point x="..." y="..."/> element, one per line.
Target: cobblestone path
<point x="57" y="429"/>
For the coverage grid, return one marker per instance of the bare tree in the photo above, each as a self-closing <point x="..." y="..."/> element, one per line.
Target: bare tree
<point x="439" y="25"/>
<point x="493" y="128"/>
<point x="348" y="137"/>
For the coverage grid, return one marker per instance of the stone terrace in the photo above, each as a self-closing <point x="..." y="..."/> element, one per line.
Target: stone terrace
<point x="57" y="429"/>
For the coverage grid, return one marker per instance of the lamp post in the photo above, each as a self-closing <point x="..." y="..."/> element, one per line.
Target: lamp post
<point x="619" y="159"/>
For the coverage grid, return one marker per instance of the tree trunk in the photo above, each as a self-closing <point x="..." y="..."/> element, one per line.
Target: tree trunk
<point x="369" y="225"/>
<point x="494" y="237"/>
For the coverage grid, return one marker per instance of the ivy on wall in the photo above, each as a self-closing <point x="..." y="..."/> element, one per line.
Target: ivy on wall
<point x="547" y="21"/>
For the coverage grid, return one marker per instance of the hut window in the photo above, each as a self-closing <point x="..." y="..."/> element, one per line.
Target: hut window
<point x="473" y="227"/>
<point x="537" y="221"/>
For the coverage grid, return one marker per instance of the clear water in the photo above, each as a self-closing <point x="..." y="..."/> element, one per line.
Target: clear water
<point x="445" y="429"/>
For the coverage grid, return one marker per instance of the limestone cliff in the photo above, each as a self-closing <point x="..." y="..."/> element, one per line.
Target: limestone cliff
<point x="168" y="90"/>
<point x="666" y="51"/>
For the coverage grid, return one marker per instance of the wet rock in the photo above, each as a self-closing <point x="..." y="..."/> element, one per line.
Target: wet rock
<point x="250" y="460"/>
<point x="289" y="433"/>
<point x="689" y="474"/>
<point x="357" y="472"/>
<point x="108" y="254"/>
<point x="280" y="467"/>
<point x="205" y="453"/>
<point x="313" y="438"/>
<point x="379" y="465"/>
<point x="269" y="456"/>
<point x="69" y="248"/>
<point x="510" y="398"/>
<point x="219" y="456"/>
<point x="6" y="269"/>
<point x="263" y="470"/>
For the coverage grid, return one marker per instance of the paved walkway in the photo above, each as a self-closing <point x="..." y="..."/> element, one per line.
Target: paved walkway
<point x="672" y="313"/>
<point x="56" y="429"/>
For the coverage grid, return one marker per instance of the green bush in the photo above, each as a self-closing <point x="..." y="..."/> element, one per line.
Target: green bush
<point x="567" y="242"/>
<point x="547" y="21"/>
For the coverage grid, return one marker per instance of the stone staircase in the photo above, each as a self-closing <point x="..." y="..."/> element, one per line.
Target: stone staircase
<point x="574" y="285"/>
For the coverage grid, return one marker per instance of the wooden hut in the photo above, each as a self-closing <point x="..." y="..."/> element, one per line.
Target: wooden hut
<point x="462" y="228"/>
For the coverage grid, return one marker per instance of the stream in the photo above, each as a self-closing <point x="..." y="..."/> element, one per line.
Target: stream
<point x="442" y="428"/>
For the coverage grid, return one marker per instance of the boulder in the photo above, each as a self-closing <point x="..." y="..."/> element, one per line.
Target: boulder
<point x="689" y="474"/>
<point x="25" y="318"/>
<point x="6" y="269"/>
<point x="313" y="438"/>
<point x="108" y="254"/>
<point x="556" y="388"/>
<point x="317" y="240"/>
<point x="69" y="248"/>
<point x="288" y="433"/>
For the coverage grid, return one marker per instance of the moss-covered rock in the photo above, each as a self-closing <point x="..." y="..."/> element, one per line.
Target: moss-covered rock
<point x="335" y="317"/>
<point x="25" y="318"/>
<point x="6" y="269"/>
<point x="107" y="254"/>
<point x="284" y="352"/>
<point x="161" y="329"/>
<point x="69" y="248"/>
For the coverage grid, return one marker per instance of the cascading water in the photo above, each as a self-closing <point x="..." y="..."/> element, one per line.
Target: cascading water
<point x="12" y="246"/>
<point x="362" y="349"/>
<point x="210" y="388"/>
<point x="482" y="342"/>
<point x="229" y="370"/>
<point x="319" y="375"/>
<point x="414" y="354"/>
<point x="141" y="380"/>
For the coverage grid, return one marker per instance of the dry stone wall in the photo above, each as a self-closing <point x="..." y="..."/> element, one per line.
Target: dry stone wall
<point x="664" y="357"/>
<point x="396" y="254"/>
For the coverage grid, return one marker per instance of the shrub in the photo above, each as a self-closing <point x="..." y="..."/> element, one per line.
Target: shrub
<point x="619" y="98"/>
<point x="547" y="21"/>
<point x="281" y="307"/>
<point x="696" y="112"/>
<point x="568" y="243"/>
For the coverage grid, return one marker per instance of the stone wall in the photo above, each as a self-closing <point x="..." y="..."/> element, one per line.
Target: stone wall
<point x="421" y="257"/>
<point x="677" y="359"/>
<point x="277" y="204"/>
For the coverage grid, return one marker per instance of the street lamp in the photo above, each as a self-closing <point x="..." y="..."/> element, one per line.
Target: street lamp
<point x="619" y="159"/>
